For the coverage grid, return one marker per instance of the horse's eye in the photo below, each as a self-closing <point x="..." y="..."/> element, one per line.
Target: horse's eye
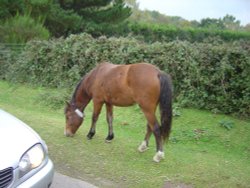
<point x="69" y="118"/>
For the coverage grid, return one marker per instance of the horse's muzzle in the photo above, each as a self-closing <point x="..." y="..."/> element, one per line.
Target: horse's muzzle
<point x="68" y="134"/>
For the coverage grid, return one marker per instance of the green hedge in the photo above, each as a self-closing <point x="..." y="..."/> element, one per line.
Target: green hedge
<point x="167" y="33"/>
<point x="212" y="75"/>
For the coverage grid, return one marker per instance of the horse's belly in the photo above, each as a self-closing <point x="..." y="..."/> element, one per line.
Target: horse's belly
<point x="122" y="103"/>
<point x="120" y="100"/>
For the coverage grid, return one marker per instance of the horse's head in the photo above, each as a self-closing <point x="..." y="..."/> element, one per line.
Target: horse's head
<point x="74" y="119"/>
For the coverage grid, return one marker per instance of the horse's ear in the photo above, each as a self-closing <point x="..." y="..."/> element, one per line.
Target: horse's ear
<point x="67" y="103"/>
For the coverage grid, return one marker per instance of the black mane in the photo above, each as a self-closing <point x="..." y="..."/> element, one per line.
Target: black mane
<point x="76" y="89"/>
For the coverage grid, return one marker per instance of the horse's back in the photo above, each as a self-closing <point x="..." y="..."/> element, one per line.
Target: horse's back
<point x="124" y="85"/>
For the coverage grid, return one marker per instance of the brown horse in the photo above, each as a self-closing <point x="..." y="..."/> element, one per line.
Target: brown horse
<point x="124" y="85"/>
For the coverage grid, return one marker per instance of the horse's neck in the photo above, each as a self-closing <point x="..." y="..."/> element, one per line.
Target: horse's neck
<point x="81" y="98"/>
<point x="82" y="94"/>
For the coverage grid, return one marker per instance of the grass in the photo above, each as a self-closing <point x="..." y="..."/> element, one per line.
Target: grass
<point x="201" y="152"/>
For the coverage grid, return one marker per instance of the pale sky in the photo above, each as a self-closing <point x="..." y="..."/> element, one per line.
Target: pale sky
<point x="199" y="9"/>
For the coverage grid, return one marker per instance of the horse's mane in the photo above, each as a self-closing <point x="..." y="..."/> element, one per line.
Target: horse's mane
<point x="76" y="89"/>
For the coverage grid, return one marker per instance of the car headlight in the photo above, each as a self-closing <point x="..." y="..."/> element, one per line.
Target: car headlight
<point x="32" y="159"/>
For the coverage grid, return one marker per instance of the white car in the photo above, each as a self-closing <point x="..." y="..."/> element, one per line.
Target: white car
<point x="24" y="160"/>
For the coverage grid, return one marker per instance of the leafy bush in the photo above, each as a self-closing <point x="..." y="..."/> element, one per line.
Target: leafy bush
<point x="8" y="54"/>
<point x="211" y="75"/>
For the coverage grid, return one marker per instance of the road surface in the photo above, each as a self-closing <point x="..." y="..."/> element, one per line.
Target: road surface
<point x="62" y="181"/>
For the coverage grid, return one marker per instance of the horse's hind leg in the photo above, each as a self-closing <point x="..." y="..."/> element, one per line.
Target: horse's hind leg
<point x="155" y="128"/>
<point x="159" y="143"/>
<point x="109" y="116"/>
<point x="144" y="145"/>
<point x="95" y="115"/>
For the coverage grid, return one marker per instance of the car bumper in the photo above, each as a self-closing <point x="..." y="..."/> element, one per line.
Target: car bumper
<point x="42" y="179"/>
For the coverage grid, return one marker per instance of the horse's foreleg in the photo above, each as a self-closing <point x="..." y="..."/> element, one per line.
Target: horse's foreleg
<point x="95" y="115"/>
<point x="109" y="116"/>
<point x="144" y="145"/>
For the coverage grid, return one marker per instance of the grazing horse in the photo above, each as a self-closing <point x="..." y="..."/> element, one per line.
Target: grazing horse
<point x="124" y="85"/>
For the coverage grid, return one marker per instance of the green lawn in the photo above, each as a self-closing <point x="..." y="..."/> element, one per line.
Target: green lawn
<point x="205" y="149"/>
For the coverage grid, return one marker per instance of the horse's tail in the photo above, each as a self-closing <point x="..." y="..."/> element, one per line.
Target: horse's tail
<point x="165" y="103"/>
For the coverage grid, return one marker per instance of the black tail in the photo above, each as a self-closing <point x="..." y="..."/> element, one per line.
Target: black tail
<point x="165" y="102"/>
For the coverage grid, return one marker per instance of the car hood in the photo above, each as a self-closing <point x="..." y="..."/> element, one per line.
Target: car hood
<point x="15" y="139"/>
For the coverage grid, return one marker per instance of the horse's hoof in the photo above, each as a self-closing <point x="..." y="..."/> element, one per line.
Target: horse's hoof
<point x="109" y="138"/>
<point x="108" y="141"/>
<point x="158" y="156"/>
<point x="90" y="135"/>
<point x="143" y="147"/>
